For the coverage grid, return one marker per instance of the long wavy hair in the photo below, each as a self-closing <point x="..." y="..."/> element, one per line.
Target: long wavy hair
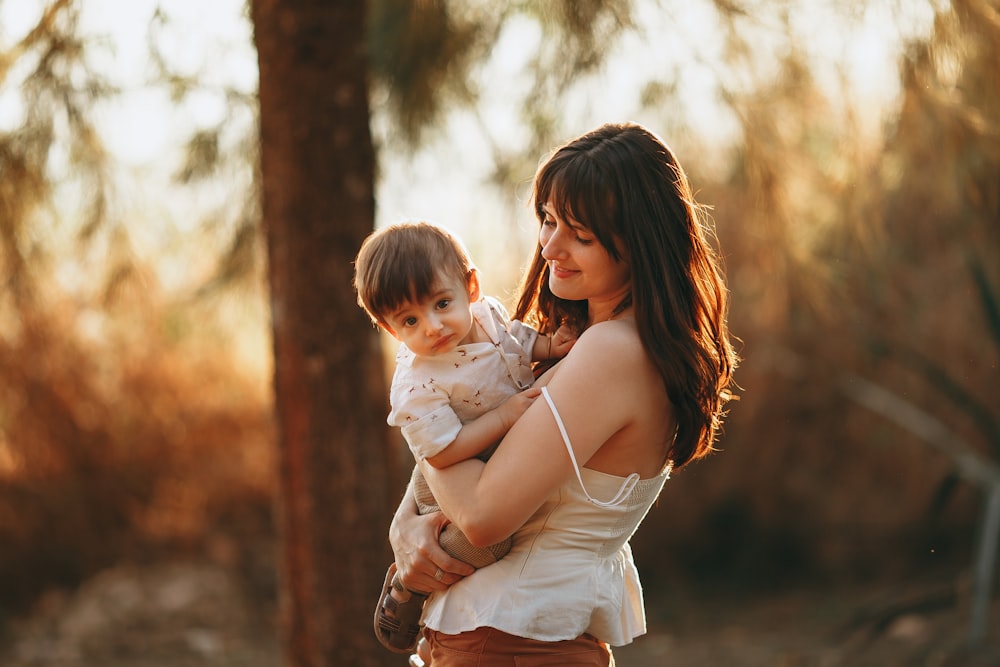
<point x="627" y="188"/>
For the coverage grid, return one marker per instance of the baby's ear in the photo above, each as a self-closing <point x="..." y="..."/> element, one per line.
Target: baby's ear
<point x="389" y="330"/>
<point x="472" y="283"/>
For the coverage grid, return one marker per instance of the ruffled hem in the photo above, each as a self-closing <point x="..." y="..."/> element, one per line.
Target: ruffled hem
<point x="607" y="604"/>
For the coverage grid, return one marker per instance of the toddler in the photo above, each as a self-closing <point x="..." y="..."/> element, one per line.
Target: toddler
<point x="462" y="369"/>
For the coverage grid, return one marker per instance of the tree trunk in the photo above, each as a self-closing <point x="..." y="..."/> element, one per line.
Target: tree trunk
<point x="317" y="168"/>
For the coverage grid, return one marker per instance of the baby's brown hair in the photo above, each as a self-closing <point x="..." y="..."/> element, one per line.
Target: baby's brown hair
<point x="400" y="263"/>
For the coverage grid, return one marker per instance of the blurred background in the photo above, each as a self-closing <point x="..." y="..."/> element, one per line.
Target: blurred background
<point x="850" y="155"/>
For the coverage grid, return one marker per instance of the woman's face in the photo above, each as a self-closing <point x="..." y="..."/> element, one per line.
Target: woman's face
<point x="580" y="268"/>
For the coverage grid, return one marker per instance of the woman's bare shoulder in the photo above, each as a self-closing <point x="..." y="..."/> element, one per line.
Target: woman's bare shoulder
<point x="609" y="350"/>
<point x="614" y="339"/>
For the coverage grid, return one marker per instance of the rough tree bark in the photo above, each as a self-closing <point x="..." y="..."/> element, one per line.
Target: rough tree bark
<point x="317" y="167"/>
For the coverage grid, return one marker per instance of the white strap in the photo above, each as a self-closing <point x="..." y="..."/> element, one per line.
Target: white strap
<point x="623" y="491"/>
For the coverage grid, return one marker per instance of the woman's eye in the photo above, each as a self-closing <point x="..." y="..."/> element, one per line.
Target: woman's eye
<point x="548" y="222"/>
<point x="583" y="241"/>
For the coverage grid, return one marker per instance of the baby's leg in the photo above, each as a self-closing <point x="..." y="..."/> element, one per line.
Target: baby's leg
<point x="453" y="540"/>
<point x="422" y="658"/>
<point x="425" y="500"/>
<point x="397" y="616"/>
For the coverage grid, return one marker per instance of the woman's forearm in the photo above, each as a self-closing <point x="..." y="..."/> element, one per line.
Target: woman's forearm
<point x="414" y="541"/>
<point x="403" y="519"/>
<point x="455" y="489"/>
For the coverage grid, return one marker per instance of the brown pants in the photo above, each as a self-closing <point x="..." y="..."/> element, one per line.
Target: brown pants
<point x="486" y="647"/>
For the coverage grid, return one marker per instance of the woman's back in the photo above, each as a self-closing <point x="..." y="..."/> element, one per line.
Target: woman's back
<point x="612" y="378"/>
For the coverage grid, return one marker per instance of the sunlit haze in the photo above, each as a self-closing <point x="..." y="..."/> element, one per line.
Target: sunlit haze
<point x="444" y="182"/>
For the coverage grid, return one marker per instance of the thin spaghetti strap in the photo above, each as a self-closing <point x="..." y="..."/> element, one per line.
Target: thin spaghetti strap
<point x="623" y="491"/>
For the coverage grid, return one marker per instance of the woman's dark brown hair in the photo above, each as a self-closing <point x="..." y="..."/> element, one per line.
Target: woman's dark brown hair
<point x="627" y="188"/>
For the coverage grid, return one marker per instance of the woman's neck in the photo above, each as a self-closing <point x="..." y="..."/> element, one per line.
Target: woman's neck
<point x="608" y="310"/>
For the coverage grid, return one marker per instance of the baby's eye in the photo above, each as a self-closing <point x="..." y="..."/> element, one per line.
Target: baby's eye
<point x="443" y="303"/>
<point x="409" y="322"/>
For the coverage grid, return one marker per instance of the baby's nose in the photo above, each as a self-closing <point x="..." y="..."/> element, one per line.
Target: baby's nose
<point x="433" y="325"/>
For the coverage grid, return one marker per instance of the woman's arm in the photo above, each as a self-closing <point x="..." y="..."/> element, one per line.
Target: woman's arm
<point x="490" y="501"/>
<point x="414" y="541"/>
<point x="484" y="431"/>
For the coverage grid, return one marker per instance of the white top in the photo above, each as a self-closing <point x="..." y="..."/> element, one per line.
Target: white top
<point x="432" y="397"/>
<point x="570" y="570"/>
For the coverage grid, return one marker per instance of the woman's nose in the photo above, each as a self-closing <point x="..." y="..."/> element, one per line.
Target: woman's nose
<point x="552" y="245"/>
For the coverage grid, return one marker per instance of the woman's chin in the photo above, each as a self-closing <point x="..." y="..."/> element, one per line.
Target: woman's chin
<point x="561" y="290"/>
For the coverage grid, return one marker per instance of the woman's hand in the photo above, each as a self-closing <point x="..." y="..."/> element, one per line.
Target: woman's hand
<point x="421" y="564"/>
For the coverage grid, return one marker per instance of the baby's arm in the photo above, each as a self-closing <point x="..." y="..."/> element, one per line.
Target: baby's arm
<point x="553" y="346"/>
<point x="484" y="431"/>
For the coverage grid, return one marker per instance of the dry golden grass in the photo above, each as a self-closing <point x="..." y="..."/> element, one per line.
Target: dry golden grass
<point x="125" y="443"/>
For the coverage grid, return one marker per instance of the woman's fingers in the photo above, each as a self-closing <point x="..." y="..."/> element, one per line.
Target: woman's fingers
<point x="415" y="566"/>
<point x="419" y="562"/>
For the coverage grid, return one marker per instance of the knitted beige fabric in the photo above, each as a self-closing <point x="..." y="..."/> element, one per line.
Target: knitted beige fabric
<point x="452" y="540"/>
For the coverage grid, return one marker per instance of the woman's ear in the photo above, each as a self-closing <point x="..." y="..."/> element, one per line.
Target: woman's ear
<point x="472" y="283"/>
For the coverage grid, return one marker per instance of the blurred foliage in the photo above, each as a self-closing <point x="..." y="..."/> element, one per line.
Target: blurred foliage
<point x="425" y="55"/>
<point x="55" y="95"/>
<point x="226" y="152"/>
<point x="128" y="424"/>
<point x="121" y="443"/>
<point x="855" y="257"/>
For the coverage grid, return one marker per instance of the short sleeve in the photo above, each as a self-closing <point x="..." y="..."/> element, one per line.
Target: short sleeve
<point x="432" y="433"/>
<point x="422" y="410"/>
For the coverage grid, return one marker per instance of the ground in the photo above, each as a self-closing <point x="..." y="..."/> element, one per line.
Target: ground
<point x="199" y="614"/>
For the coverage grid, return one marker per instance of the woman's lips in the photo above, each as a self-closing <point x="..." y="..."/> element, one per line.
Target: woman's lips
<point x="560" y="272"/>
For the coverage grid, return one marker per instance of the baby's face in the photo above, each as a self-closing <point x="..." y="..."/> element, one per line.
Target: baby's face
<point x="438" y="323"/>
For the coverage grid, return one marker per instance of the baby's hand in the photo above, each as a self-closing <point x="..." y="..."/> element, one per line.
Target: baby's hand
<point x="563" y="341"/>
<point x="511" y="409"/>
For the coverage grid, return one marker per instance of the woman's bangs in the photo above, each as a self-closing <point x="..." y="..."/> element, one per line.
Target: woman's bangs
<point x="558" y="200"/>
<point x="579" y="193"/>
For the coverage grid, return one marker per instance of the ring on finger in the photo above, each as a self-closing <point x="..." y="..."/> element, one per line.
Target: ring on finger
<point x="439" y="574"/>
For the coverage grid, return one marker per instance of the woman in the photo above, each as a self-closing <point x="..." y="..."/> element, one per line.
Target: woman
<point x="625" y="258"/>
